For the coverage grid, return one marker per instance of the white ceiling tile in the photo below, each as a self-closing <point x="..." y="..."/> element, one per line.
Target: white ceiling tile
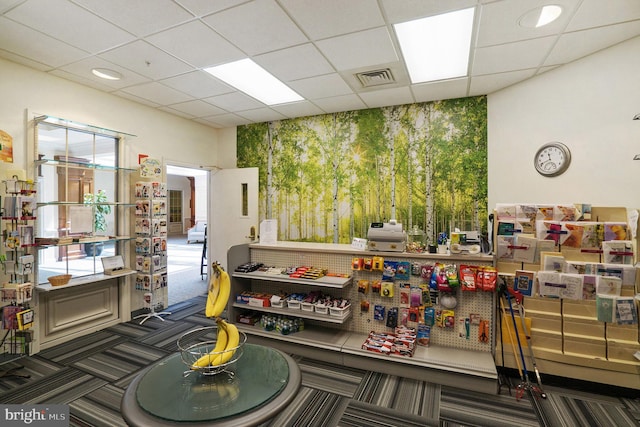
<point x="511" y="56"/>
<point x="285" y="64"/>
<point x="235" y="101"/>
<point x="141" y="17"/>
<point x="196" y="44"/>
<point x="298" y="109"/>
<point x="265" y="27"/>
<point x="542" y="70"/>
<point x="386" y="97"/>
<point x="329" y="18"/>
<point x="23" y="41"/>
<point x="205" y="7"/>
<point x="595" y="13"/>
<point x="340" y="103"/>
<point x="499" y="21"/>
<point x="137" y="99"/>
<point x="167" y="41"/>
<point x="197" y="108"/>
<point x="82" y="70"/>
<point x="8" y="4"/>
<point x="146" y="60"/>
<point x="321" y="86"/>
<point x="198" y="84"/>
<point x="82" y="80"/>
<point x="157" y="93"/>
<point x="213" y="124"/>
<point x="224" y="120"/>
<point x="484" y="85"/>
<point x="70" y="23"/>
<point x="260" y="115"/>
<point x="358" y="50"/>
<point x="24" y="61"/>
<point x="177" y="112"/>
<point x="407" y="10"/>
<point x="447" y="89"/>
<point x="575" y="45"/>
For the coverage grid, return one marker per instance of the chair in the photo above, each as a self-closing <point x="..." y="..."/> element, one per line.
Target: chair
<point x="196" y="233"/>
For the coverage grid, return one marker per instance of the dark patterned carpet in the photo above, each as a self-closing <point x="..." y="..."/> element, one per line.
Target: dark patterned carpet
<point x="91" y="373"/>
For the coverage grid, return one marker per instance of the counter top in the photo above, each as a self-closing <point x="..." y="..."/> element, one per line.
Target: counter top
<point x="347" y="249"/>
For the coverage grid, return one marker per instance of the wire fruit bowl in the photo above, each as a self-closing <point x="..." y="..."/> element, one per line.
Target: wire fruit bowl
<point x="200" y="342"/>
<point x="59" y="280"/>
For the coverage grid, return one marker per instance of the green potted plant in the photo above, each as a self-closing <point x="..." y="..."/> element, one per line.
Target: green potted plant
<point x="100" y="211"/>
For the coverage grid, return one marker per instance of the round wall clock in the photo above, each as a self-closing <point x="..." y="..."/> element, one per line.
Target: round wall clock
<point x="552" y="159"/>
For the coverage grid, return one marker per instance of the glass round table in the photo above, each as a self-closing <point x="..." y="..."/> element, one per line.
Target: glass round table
<point x="265" y="380"/>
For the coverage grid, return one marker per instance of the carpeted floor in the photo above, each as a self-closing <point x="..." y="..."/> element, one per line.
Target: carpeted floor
<point x="91" y="373"/>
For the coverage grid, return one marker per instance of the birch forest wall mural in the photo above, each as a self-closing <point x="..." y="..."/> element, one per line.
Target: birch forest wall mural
<point x="327" y="178"/>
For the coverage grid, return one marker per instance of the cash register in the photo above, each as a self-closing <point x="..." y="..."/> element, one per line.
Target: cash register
<point x="386" y="236"/>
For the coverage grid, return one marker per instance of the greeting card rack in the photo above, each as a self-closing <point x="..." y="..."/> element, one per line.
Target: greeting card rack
<point x="18" y="214"/>
<point x="151" y="247"/>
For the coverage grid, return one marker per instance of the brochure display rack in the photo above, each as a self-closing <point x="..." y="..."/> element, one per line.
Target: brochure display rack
<point x="576" y="267"/>
<point x="18" y="214"/>
<point x="151" y="247"/>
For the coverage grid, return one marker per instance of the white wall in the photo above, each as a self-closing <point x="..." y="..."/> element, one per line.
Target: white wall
<point x="588" y="105"/>
<point x="158" y="134"/>
<point x="25" y="92"/>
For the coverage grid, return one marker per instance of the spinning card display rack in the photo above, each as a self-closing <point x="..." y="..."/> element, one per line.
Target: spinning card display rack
<point x="151" y="246"/>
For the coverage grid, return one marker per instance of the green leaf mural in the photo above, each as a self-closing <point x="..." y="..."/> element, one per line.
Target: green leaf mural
<point x="326" y="178"/>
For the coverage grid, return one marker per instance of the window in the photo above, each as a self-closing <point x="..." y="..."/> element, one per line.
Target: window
<point x="77" y="196"/>
<point x="175" y="206"/>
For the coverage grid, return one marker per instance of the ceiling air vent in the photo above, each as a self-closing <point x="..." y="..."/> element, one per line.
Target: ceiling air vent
<point x="376" y="77"/>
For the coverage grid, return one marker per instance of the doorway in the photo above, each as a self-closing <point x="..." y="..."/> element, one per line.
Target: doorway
<point x="188" y="208"/>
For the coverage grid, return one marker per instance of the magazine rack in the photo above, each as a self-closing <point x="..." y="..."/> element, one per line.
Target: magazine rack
<point x="151" y="246"/>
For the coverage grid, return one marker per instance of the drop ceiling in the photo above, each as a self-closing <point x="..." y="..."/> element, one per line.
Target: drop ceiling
<point x="319" y="48"/>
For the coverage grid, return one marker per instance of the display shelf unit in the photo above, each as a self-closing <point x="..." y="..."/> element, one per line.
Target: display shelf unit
<point x="325" y="282"/>
<point x="83" y="214"/>
<point x="341" y="342"/>
<point x="566" y="337"/>
<point x="151" y="247"/>
<point x="41" y="245"/>
<point x="18" y="218"/>
<point x="83" y="281"/>
<point x="297" y="313"/>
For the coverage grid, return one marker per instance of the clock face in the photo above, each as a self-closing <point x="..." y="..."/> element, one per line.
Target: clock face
<point x="552" y="159"/>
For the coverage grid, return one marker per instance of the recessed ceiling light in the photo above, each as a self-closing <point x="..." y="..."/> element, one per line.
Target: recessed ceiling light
<point x="105" y="73"/>
<point x="540" y="16"/>
<point x="255" y="81"/>
<point x="437" y="47"/>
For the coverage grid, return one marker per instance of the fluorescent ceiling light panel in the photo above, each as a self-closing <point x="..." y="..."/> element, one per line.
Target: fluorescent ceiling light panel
<point x="437" y="47"/>
<point x="250" y="78"/>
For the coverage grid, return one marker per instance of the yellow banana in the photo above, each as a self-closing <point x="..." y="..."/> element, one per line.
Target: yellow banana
<point x="212" y="294"/>
<point x="210" y="358"/>
<point x="222" y="297"/>
<point x="232" y="343"/>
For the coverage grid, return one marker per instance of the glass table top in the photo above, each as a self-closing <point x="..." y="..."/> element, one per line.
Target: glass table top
<point x="260" y="375"/>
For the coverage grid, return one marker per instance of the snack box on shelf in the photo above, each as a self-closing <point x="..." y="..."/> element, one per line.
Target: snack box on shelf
<point x="260" y="301"/>
<point x="307" y="306"/>
<point x="402" y="342"/>
<point x="294" y="304"/>
<point x="340" y="311"/>
<point x="321" y="308"/>
<point x="248" y="318"/>
<point x="278" y="301"/>
<point x="254" y="299"/>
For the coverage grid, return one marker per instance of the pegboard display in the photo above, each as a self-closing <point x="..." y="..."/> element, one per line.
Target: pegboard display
<point x="474" y="306"/>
